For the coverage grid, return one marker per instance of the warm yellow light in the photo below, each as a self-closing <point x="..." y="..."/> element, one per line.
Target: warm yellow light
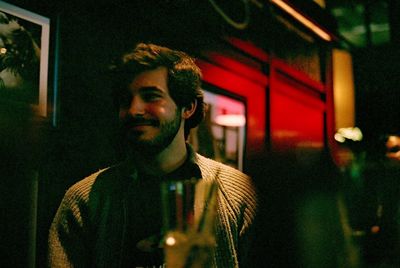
<point x="230" y="120"/>
<point x="170" y="241"/>
<point x="351" y="133"/>
<point x="306" y="22"/>
<point x="321" y="3"/>
<point x="343" y="88"/>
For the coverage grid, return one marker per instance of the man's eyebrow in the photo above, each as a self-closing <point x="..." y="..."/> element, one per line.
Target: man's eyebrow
<point x="151" y="89"/>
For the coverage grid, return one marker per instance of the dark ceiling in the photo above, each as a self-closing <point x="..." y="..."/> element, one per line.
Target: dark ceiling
<point x="362" y="22"/>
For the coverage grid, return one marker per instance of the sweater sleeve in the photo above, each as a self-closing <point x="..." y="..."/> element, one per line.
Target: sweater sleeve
<point x="238" y="207"/>
<point x="67" y="243"/>
<point x="248" y="212"/>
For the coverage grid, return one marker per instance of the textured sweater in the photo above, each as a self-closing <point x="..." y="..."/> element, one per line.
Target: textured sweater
<point x="89" y="226"/>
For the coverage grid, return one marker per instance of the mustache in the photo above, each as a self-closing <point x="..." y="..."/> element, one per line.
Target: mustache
<point x="136" y="121"/>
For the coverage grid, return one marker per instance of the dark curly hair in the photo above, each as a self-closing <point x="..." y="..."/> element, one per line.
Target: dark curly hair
<point x="184" y="76"/>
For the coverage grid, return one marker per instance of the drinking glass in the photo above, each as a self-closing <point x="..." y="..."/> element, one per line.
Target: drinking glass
<point x="189" y="211"/>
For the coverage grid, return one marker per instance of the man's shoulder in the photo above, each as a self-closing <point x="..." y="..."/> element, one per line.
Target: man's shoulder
<point x="233" y="183"/>
<point x="229" y="178"/>
<point x="100" y="178"/>
<point x="220" y="169"/>
<point x="83" y="186"/>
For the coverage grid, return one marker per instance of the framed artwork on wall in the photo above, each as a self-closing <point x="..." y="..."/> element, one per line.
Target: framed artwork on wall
<point x="24" y="57"/>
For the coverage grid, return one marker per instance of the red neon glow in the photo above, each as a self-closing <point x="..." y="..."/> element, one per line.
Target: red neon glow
<point x="297" y="75"/>
<point x="253" y="92"/>
<point x="297" y="112"/>
<point x="239" y="68"/>
<point x="249" y="48"/>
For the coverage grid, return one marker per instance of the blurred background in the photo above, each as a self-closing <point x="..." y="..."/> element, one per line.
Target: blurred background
<point x="302" y="95"/>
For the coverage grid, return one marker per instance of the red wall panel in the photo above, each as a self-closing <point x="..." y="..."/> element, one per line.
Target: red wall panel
<point x="297" y="110"/>
<point x="254" y="93"/>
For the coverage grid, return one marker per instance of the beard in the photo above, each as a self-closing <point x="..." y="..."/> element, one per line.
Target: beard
<point x="136" y="145"/>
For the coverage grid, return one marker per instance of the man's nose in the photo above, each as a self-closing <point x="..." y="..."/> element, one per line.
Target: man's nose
<point x="137" y="106"/>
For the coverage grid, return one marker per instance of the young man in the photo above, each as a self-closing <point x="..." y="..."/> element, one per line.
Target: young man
<point x="113" y="217"/>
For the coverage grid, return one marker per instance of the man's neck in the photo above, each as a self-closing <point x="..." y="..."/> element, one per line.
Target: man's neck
<point x="164" y="162"/>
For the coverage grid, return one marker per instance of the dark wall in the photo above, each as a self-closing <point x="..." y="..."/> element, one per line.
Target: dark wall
<point x="377" y="79"/>
<point x="17" y="185"/>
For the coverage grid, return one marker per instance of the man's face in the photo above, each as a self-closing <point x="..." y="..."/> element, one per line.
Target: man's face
<point x="393" y="148"/>
<point x="150" y="119"/>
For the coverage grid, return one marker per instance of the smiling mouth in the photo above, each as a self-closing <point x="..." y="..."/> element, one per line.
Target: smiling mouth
<point x="138" y="125"/>
<point x="141" y="128"/>
<point x="141" y="124"/>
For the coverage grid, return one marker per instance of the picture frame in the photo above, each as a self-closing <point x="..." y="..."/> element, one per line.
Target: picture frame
<point x="24" y="57"/>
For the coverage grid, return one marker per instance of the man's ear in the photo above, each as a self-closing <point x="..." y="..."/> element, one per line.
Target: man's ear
<point x="189" y="110"/>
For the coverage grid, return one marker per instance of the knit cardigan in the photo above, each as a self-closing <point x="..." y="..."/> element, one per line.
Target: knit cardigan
<point x="88" y="228"/>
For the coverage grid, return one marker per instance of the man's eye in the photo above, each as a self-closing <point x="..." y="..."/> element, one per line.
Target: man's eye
<point x="394" y="149"/>
<point x="151" y="96"/>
